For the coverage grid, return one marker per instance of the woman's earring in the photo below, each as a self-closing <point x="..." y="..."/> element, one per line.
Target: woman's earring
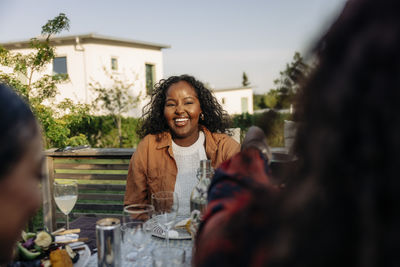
<point x="202" y="116"/>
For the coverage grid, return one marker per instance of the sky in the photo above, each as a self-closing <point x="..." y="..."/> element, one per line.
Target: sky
<point x="214" y="40"/>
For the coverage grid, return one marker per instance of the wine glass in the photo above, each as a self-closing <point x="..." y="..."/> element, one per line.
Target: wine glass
<point x="166" y="205"/>
<point x="136" y="229"/>
<point x="65" y="195"/>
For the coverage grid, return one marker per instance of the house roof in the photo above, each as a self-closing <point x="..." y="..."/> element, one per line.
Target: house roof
<point x="231" y="89"/>
<point x="87" y="38"/>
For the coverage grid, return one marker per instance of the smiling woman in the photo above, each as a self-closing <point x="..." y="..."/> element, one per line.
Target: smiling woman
<point x="182" y="124"/>
<point x="20" y="169"/>
<point x="182" y="112"/>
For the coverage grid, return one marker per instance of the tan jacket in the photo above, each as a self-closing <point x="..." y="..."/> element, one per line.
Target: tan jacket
<point x="152" y="167"/>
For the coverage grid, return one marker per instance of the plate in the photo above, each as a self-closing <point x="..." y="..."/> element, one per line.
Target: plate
<point x="84" y="257"/>
<point x="157" y="231"/>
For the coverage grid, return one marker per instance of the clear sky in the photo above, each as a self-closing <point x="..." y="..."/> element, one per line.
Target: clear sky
<point x="214" y="40"/>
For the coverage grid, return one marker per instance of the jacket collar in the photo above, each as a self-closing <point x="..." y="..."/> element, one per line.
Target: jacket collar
<point x="165" y="140"/>
<point x="211" y="144"/>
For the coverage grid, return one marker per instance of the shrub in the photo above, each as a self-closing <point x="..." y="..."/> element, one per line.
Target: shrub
<point x="101" y="131"/>
<point x="271" y="122"/>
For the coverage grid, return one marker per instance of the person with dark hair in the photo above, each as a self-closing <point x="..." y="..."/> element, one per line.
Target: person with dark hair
<point x="182" y="124"/>
<point x="20" y="169"/>
<point x="341" y="205"/>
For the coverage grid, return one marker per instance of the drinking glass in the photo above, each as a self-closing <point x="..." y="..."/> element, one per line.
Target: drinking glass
<point x="166" y="205"/>
<point x="136" y="230"/>
<point x="65" y="196"/>
<point x="168" y="257"/>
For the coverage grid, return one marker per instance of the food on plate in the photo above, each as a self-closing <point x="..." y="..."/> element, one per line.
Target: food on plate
<point x="26" y="254"/>
<point x="183" y="223"/>
<point x="72" y="254"/>
<point x="190" y="224"/>
<point x="30" y="243"/>
<point x="44" y="239"/>
<point x="60" y="258"/>
<point x="41" y="250"/>
<point x="25" y="236"/>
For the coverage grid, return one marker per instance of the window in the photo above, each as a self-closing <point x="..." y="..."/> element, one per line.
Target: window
<point x="114" y="63"/>
<point x="245" y="107"/>
<point x="60" y="65"/>
<point x="149" y="78"/>
<point x="223" y="100"/>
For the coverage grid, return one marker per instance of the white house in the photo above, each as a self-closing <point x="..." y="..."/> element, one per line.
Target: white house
<point x="86" y="57"/>
<point x="235" y="100"/>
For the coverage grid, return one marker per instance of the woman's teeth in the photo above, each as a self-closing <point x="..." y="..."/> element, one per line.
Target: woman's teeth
<point x="181" y="122"/>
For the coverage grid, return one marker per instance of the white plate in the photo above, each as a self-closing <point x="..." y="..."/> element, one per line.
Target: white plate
<point x="157" y="231"/>
<point x="84" y="257"/>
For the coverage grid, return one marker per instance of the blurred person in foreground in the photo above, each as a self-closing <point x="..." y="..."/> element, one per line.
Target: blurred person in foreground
<point x="341" y="206"/>
<point x="20" y="169"/>
<point x="182" y="124"/>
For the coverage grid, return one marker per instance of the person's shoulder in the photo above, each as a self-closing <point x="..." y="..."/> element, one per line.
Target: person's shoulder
<point x="144" y="143"/>
<point x="149" y="138"/>
<point x="152" y="140"/>
<point x="223" y="137"/>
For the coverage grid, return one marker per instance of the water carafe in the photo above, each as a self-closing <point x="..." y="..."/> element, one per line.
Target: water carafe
<point x="198" y="198"/>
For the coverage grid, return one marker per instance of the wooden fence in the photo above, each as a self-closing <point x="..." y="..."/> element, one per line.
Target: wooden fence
<point x="101" y="177"/>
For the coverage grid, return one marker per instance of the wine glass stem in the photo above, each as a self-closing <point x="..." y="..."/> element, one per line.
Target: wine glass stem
<point x="67" y="223"/>
<point x="167" y="237"/>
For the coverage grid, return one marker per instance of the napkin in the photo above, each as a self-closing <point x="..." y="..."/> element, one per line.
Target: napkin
<point x="67" y="237"/>
<point x="173" y="234"/>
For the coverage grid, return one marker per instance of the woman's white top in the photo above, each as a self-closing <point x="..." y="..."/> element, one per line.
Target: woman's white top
<point x="188" y="161"/>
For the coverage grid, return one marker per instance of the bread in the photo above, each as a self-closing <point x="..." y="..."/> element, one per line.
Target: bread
<point x="60" y="258"/>
<point x="183" y="223"/>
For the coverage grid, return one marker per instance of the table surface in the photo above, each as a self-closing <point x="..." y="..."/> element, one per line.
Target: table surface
<point x="155" y="243"/>
<point x="88" y="229"/>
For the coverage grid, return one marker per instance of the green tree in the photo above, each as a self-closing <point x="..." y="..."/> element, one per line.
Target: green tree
<point x="245" y="80"/>
<point x="288" y="84"/>
<point x="259" y="102"/>
<point x="271" y="98"/>
<point x="24" y="73"/>
<point x="24" y="67"/>
<point x="117" y="99"/>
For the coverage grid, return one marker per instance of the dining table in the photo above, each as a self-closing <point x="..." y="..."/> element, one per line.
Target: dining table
<point x="87" y="225"/>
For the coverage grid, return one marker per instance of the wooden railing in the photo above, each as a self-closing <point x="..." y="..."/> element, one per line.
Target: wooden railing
<point x="101" y="176"/>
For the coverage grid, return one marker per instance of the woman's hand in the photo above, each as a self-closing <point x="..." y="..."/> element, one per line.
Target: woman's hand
<point x="255" y="138"/>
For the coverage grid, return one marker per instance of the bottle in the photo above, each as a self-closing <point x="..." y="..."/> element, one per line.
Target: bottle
<point x="198" y="198"/>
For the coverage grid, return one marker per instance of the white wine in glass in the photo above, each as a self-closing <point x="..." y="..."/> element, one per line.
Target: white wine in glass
<point x="65" y="196"/>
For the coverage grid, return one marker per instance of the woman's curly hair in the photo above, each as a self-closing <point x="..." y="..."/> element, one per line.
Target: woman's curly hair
<point x="153" y="121"/>
<point x="341" y="204"/>
<point x="347" y="144"/>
